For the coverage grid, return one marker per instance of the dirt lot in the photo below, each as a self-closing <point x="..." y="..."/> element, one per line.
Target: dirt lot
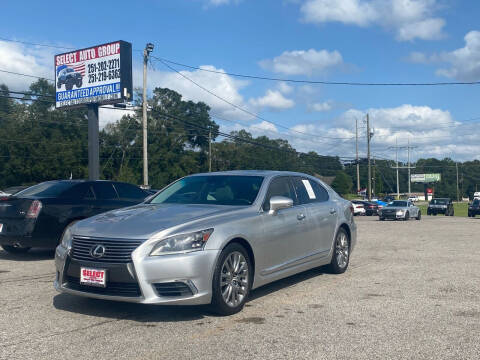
<point x="412" y="292"/>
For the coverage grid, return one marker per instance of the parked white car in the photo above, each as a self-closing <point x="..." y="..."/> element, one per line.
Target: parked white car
<point x="358" y="209"/>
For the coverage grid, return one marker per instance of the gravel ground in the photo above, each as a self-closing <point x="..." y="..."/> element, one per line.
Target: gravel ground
<point x="411" y="292"/>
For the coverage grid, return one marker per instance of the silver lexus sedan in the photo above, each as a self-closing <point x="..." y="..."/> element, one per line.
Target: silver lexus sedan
<point x="208" y="239"/>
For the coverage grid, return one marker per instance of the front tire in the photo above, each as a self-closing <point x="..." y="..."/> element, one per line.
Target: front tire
<point x="341" y="253"/>
<point x="419" y="215"/>
<point x="232" y="280"/>
<point x="15" y="250"/>
<point x="407" y="216"/>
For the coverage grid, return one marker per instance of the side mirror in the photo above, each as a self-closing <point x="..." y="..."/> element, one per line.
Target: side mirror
<point x="278" y="203"/>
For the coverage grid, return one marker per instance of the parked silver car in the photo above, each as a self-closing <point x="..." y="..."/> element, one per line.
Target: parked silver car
<point x="400" y="209"/>
<point x="208" y="239"/>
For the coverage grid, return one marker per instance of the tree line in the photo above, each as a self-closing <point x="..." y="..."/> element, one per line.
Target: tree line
<point x="39" y="143"/>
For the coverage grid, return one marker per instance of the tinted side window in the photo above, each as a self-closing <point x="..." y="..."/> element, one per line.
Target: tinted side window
<point x="104" y="191"/>
<point x="127" y="191"/>
<point x="279" y="187"/>
<point x="320" y="192"/>
<point x="300" y="189"/>
<point x="80" y="191"/>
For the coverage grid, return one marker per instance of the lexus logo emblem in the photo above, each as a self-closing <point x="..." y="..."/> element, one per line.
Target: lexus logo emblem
<point x="97" y="251"/>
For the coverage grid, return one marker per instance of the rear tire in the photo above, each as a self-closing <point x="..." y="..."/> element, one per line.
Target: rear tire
<point x="229" y="280"/>
<point x="15" y="250"/>
<point x="341" y="253"/>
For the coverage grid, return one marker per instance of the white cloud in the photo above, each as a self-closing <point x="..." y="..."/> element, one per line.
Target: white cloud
<point x="321" y="107"/>
<point x="224" y="86"/>
<point x="274" y="100"/>
<point x="284" y="88"/>
<point x="222" y="2"/>
<point x="108" y="114"/>
<point x="303" y="62"/>
<point x="25" y="60"/>
<point x="410" y="19"/>
<point x="433" y="131"/>
<point x="464" y="62"/>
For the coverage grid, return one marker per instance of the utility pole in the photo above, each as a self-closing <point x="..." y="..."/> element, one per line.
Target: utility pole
<point x="409" y="167"/>
<point x="146" y="52"/>
<point x="458" y="194"/>
<point x="369" y="164"/>
<point x="210" y="150"/>
<point x="396" y="160"/>
<point x="356" y="148"/>
<point x="373" y="177"/>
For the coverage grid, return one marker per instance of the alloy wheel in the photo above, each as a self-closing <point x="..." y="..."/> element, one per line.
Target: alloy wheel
<point x="342" y="250"/>
<point x="234" y="279"/>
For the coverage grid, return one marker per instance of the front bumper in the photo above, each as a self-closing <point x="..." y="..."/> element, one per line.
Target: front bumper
<point x="435" y="211"/>
<point x="392" y="216"/>
<point x="194" y="271"/>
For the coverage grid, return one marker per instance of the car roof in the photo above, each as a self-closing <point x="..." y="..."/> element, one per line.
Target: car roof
<point x="80" y="181"/>
<point x="265" y="173"/>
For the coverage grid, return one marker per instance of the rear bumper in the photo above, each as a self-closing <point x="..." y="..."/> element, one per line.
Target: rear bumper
<point x="28" y="241"/>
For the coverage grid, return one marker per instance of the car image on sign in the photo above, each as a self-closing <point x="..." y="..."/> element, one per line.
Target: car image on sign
<point x="69" y="77"/>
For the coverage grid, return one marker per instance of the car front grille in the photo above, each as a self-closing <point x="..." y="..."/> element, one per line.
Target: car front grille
<point x="112" y="288"/>
<point x="116" y="250"/>
<point x="176" y="288"/>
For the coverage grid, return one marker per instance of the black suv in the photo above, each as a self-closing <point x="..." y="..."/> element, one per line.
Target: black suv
<point x="38" y="215"/>
<point x="69" y="77"/>
<point x="440" y="206"/>
<point x="474" y="208"/>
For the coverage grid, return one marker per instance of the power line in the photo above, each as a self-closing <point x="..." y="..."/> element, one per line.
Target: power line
<point x="27" y="75"/>
<point x="240" y="108"/>
<point x="348" y="83"/>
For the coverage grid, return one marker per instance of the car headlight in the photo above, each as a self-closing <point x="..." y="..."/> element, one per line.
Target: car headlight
<point x="67" y="238"/>
<point x="400" y="212"/>
<point x="182" y="243"/>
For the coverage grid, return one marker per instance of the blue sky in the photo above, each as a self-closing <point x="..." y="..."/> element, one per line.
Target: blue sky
<point x="332" y="40"/>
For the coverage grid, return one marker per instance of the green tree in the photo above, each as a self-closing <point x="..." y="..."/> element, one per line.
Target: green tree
<point x="342" y="183"/>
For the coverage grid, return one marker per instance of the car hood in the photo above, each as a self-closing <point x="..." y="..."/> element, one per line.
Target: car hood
<point x="144" y="220"/>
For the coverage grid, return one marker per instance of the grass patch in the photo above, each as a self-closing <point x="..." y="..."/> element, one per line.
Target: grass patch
<point x="460" y="209"/>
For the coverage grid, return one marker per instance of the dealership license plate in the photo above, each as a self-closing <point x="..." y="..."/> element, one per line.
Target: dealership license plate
<point x="93" y="277"/>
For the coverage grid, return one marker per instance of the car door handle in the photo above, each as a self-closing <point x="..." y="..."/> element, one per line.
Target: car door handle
<point x="300" y="216"/>
<point x="333" y="211"/>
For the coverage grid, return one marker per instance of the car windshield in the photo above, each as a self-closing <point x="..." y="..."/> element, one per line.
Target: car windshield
<point x="398" y="203"/>
<point x="211" y="189"/>
<point x="47" y="189"/>
<point x="476" y="202"/>
<point x="68" y="70"/>
<point x="439" y="202"/>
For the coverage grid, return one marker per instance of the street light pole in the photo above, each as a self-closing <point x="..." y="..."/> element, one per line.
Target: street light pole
<point x="146" y="52"/>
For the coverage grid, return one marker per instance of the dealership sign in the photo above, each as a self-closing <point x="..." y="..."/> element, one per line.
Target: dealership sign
<point x="424" y="178"/>
<point x="98" y="75"/>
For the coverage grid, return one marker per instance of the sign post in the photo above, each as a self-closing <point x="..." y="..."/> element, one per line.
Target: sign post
<point x="94" y="76"/>
<point x="426" y="179"/>
<point x="93" y="143"/>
